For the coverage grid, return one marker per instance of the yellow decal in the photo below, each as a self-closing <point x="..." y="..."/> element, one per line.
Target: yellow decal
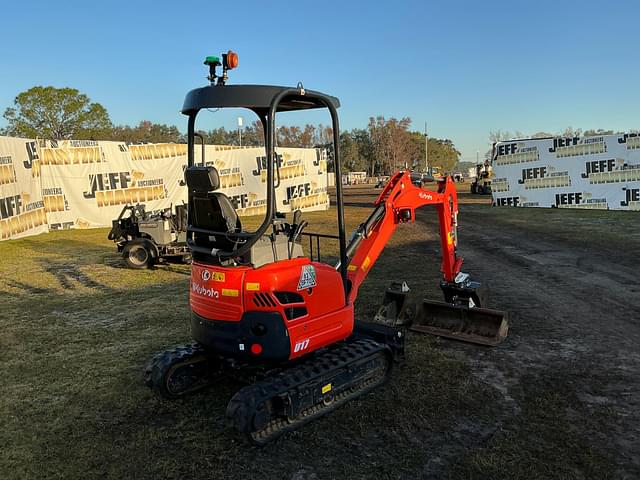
<point x="450" y="238"/>
<point x="230" y="292"/>
<point x="253" y="287"/>
<point x="352" y="268"/>
<point x="326" y="388"/>
<point x="218" y="276"/>
<point x="365" y="264"/>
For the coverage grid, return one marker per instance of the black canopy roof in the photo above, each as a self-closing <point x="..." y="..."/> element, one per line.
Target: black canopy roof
<point x="255" y="97"/>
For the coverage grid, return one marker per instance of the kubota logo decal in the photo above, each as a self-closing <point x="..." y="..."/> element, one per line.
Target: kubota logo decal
<point x="204" y="291"/>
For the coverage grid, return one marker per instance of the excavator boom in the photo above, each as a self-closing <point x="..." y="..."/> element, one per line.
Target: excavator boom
<point x="460" y="316"/>
<point x="396" y="204"/>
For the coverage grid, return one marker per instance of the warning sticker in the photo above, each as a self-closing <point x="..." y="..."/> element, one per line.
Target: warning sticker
<point x="307" y="277"/>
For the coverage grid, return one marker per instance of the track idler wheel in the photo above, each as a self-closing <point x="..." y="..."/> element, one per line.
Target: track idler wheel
<point x="180" y="371"/>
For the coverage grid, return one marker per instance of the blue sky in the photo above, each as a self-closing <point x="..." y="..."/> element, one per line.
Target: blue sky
<point x="464" y="67"/>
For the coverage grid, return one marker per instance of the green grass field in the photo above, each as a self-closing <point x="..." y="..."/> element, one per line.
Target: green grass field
<point x="77" y="329"/>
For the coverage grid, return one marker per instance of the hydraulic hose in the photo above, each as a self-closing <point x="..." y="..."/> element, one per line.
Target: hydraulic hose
<point x="364" y="230"/>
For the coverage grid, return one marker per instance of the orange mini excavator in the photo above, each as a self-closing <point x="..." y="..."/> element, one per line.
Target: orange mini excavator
<point x="282" y="321"/>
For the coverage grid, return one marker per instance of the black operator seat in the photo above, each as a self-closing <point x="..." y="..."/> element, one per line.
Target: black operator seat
<point x="210" y="210"/>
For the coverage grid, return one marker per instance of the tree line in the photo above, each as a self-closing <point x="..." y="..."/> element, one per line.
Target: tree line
<point x="384" y="146"/>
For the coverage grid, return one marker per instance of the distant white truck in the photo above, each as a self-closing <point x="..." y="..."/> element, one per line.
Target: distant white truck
<point x="354" y="178"/>
<point x="599" y="172"/>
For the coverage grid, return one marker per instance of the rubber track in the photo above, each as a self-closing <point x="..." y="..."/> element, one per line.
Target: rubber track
<point x="245" y="403"/>
<point x="162" y="362"/>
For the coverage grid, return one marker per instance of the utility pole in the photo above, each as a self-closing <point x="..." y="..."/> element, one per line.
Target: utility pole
<point x="477" y="157"/>
<point x="426" y="149"/>
<point x="240" y="130"/>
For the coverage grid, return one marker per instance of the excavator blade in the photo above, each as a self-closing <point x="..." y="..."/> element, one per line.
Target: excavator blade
<point x="474" y="325"/>
<point x="451" y="320"/>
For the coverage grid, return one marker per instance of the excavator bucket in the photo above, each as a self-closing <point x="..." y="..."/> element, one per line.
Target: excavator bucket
<point x="474" y="325"/>
<point x="457" y="320"/>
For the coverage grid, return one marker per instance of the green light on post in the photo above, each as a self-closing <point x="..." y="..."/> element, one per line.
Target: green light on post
<point x="212" y="60"/>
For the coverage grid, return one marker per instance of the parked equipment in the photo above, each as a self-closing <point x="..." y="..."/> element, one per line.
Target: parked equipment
<point x="283" y="322"/>
<point x="482" y="182"/>
<point x="147" y="238"/>
<point x="457" y="176"/>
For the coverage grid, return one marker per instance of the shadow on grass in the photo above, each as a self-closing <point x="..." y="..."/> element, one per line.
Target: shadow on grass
<point x="27" y="288"/>
<point x="68" y="274"/>
<point x="49" y="245"/>
<point x="117" y="262"/>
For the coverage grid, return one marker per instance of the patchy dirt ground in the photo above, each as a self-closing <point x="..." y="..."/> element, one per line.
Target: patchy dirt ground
<point x="568" y="393"/>
<point x="558" y="399"/>
<point x="574" y="297"/>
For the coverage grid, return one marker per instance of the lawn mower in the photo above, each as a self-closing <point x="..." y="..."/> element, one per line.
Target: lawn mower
<point x="146" y="238"/>
<point x="283" y="322"/>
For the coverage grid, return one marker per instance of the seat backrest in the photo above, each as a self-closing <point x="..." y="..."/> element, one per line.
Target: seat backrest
<point x="214" y="212"/>
<point x="209" y="209"/>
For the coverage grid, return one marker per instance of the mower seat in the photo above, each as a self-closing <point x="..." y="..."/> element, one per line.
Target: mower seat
<point x="181" y="218"/>
<point x="210" y="210"/>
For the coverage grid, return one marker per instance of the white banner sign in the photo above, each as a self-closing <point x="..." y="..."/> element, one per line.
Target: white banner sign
<point x="84" y="183"/>
<point x="243" y="175"/>
<point x="22" y="209"/>
<point x="601" y="172"/>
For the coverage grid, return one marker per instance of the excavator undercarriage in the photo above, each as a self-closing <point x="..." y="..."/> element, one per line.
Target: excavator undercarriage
<point x="280" y="399"/>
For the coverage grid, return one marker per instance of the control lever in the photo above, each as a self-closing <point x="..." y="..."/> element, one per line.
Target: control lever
<point x="291" y="229"/>
<point x="279" y="223"/>
<point x="296" y="231"/>
<point x="297" y="216"/>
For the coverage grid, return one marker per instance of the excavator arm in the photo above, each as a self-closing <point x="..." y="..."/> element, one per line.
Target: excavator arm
<point x="396" y="204"/>
<point x="462" y="315"/>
